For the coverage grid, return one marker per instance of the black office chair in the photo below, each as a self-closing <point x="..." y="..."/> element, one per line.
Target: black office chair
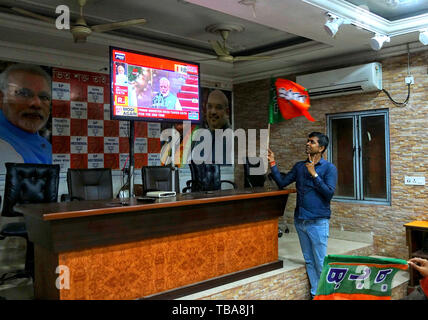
<point x="90" y="184"/>
<point x="253" y="180"/>
<point x="205" y="177"/>
<point x="159" y="178"/>
<point x="26" y="183"/>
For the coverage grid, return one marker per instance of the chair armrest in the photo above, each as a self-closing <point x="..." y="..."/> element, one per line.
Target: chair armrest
<point x="188" y="186"/>
<point x="185" y="189"/>
<point x="189" y="183"/>
<point x="227" y="181"/>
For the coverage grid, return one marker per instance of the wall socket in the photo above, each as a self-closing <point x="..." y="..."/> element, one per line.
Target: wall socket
<point x="415" y="181"/>
<point x="410" y="80"/>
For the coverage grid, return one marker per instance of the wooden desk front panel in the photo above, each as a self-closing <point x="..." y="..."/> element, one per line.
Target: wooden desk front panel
<point x="108" y="229"/>
<point x="138" y="269"/>
<point x="137" y="251"/>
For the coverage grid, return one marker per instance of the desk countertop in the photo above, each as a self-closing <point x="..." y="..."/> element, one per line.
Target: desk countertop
<point x="76" y="209"/>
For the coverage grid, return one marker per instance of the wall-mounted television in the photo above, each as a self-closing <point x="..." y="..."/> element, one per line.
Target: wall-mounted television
<point x="149" y="87"/>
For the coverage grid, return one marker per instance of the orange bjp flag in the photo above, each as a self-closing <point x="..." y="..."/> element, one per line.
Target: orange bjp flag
<point x="293" y="99"/>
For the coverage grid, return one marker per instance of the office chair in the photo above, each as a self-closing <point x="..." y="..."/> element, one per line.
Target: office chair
<point x="205" y="177"/>
<point x="253" y="180"/>
<point x="159" y="178"/>
<point x="90" y="184"/>
<point x="26" y="183"/>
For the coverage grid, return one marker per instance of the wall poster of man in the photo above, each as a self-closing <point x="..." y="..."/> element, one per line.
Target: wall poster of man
<point x="216" y="108"/>
<point x="25" y="114"/>
<point x="216" y="114"/>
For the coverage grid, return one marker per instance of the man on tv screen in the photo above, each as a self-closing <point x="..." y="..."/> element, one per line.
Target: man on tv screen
<point x="140" y="90"/>
<point x="165" y="99"/>
<point x="121" y="77"/>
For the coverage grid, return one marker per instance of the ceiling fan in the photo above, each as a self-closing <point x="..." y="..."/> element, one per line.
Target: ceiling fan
<point x="80" y="30"/>
<point x="221" y="48"/>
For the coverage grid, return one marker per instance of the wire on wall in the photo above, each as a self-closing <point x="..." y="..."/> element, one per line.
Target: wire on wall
<point x="402" y="104"/>
<point x="399" y="104"/>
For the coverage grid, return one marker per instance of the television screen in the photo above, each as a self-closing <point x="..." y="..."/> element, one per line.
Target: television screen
<point x="153" y="88"/>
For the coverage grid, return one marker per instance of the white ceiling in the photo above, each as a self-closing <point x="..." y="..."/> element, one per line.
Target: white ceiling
<point x="289" y="30"/>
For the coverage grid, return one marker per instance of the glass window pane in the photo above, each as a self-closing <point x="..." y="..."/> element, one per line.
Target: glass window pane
<point x="373" y="157"/>
<point x="342" y="155"/>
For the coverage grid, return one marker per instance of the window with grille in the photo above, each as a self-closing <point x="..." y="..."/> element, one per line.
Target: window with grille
<point x="359" y="148"/>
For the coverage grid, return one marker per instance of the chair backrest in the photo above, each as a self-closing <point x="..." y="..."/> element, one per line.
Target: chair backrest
<point x="29" y="183"/>
<point x="205" y="177"/>
<point x="90" y="184"/>
<point x="253" y="180"/>
<point x="158" y="178"/>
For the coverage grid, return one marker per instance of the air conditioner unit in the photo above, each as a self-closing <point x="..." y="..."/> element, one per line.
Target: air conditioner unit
<point x="350" y="80"/>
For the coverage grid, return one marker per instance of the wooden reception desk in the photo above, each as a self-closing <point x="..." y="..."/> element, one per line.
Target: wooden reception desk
<point x="161" y="250"/>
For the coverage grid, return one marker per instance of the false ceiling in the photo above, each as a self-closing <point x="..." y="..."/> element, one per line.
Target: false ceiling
<point x="291" y="32"/>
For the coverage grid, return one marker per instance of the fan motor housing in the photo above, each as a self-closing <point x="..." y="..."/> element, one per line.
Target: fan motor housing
<point x="80" y="33"/>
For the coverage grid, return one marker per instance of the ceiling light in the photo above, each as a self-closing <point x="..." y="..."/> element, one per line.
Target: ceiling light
<point x="377" y="41"/>
<point x="332" y="25"/>
<point x="423" y="37"/>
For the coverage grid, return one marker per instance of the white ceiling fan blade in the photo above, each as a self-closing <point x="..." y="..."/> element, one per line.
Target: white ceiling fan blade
<point x="208" y="59"/>
<point x="33" y="15"/>
<point x="218" y="48"/>
<point x="117" y="25"/>
<point x="228" y="59"/>
<point x="251" y="58"/>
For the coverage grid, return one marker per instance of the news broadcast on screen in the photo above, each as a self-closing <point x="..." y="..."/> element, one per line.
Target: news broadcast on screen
<point x="153" y="88"/>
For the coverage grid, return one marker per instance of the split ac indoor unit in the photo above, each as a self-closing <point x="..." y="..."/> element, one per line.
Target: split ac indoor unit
<point x="350" y="80"/>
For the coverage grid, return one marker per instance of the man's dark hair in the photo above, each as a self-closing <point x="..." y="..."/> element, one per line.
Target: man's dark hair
<point x="322" y="139"/>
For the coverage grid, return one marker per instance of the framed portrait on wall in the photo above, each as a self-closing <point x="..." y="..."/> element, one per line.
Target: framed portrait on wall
<point x="25" y="114"/>
<point x="217" y="108"/>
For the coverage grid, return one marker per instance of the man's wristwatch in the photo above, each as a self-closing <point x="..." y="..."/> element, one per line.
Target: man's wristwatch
<point x="316" y="175"/>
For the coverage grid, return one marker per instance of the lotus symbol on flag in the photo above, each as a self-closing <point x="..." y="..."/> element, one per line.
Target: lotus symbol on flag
<point x="293" y="99"/>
